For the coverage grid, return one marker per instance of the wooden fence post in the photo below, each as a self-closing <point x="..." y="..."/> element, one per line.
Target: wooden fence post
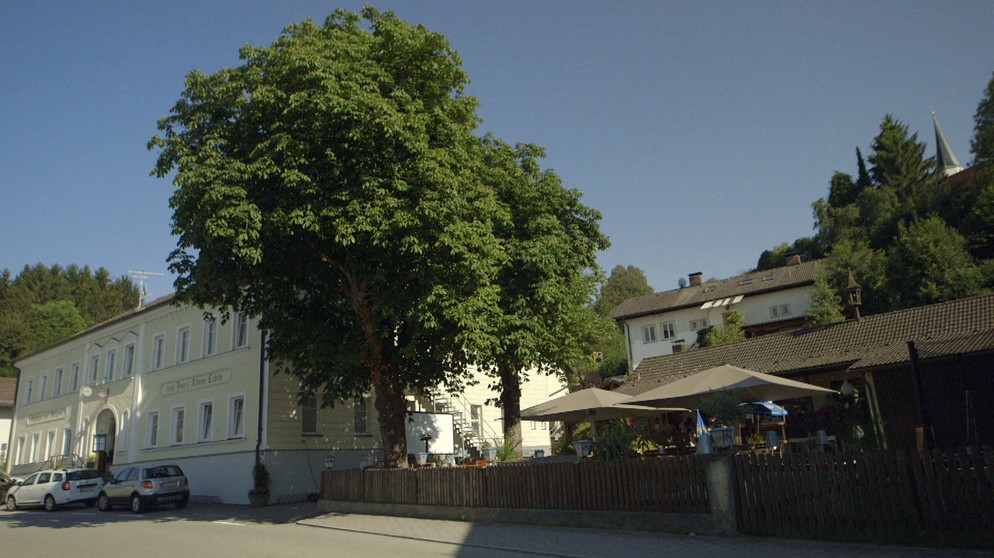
<point x="721" y="494"/>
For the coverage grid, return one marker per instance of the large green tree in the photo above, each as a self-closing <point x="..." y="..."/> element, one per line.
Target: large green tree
<point x="929" y="263"/>
<point x="622" y="284"/>
<point x="826" y="304"/>
<point x="551" y="241"/>
<point x="333" y="186"/>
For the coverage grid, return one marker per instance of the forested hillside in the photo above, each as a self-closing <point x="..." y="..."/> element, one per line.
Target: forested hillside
<point x="42" y="305"/>
<point x="910" y="234"/>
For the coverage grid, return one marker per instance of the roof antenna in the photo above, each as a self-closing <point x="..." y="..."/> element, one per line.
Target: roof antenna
<point x="143" y="291"/>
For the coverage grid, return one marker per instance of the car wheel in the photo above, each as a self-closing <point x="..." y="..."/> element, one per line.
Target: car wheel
<point x="137" y="504"/>
<point x="50" y="504"/>
<point x="11" y="503"/>
<point x="103" y="503"/>
<point x="180" y="504"/>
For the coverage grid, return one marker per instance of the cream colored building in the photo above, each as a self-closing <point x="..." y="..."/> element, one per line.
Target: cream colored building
<point x="165" y="384"/>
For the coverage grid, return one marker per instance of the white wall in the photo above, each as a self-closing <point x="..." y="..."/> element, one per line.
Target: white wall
<point x="755" y="309"/>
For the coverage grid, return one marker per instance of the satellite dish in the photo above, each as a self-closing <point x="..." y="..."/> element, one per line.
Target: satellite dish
<point x="87" y="391"/>
<point x="682" y="282"/>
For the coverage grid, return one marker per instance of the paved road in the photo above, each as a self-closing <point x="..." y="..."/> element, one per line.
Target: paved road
<point x="293" y="530"/>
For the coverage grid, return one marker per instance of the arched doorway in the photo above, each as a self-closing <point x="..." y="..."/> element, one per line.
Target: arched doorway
<point x="104" y="433"/>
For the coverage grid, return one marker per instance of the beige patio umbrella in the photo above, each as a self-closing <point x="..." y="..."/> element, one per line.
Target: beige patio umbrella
<point x="591" y="404"/>
<point x="751" y="386"/>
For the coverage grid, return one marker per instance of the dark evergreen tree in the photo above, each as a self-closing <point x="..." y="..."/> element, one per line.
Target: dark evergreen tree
<point x="44" y="304"/>
<point x="982" y="143"/>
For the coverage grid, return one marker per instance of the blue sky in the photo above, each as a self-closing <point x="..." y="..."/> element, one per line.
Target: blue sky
<point x="702" y="131"/>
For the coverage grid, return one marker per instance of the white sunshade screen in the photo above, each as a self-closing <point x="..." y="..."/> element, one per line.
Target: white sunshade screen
<point x="722" y="302"/>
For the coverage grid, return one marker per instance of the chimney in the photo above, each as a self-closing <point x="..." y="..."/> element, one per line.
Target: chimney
<point x="793" y="259"/>
<point x="695" y="279"/>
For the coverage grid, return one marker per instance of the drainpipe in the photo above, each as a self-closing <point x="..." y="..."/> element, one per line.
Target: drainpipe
<point x="628" y="342"/>
<point x="262" y="397"/>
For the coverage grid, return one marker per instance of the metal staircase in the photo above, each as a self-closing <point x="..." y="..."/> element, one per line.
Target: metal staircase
<point x="472" y="431"/>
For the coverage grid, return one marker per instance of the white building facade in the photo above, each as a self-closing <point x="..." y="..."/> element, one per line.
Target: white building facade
<point x="667" y="322"/>
<point x="165" y="384"/>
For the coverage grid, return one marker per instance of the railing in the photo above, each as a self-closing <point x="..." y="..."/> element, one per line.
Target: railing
<point x="462" y="417"/>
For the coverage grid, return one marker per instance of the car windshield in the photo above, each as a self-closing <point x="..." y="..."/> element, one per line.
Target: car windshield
<point x="162" y="472"/>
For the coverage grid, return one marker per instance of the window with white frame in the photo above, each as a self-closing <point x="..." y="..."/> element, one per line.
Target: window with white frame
<point x="205" y="432"/>
<point x="19" y="457"/>
<point x="236" y="416"/>
<point x="128" y="366"/>
<point x="42" y="387"/>
<point x="361" y="416"/>
<point x="476" y="420"/>
<point x="780" y="311"/>
<point x="177" y="424"/>
<point x="67" y="441"/>
<point x="74" y="377"/>
<point x="35" y="447"/>
<point x="309" y="415"/>
<point x="649" y="334"/>
<point x="152" y="429"/>
<point x="183" y="345"/>
<point x="669" y="330"/>
<point x="94" y="366"/>
<point x="29" y="390"/>
<point x="210" y="337"/>
<point x="57" y="386"/>
<point x="159" y="351"/>
<point x="111" y="361"/>
<point x="49" y="444"/>
<point x="241" y="331"/>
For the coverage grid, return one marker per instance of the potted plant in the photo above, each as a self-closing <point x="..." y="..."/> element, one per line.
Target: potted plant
<point x="726" y="412"/>
<point x="259" y="495"/>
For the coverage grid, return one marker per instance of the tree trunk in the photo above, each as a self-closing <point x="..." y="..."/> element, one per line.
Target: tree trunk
<point x="510" y="403"/>
<point x="391" y="408"/>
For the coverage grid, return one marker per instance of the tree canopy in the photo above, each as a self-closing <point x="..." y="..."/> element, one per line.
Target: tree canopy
<point x="333" y="186"/>
<point x="43" y="305"/>
<point x="547" y="280"/>
<point x="622" y="284"/>
<point x="982" y="144"/>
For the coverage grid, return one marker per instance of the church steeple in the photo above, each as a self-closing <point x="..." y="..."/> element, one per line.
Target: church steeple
<point x="945" y="159"/>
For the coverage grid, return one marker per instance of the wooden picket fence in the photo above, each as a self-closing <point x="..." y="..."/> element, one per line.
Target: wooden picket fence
<point x="939" y="498"/>
<point x="675" y="484"/>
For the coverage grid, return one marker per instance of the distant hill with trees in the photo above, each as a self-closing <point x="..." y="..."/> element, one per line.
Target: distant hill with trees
<point x="42" y="305"/>
<point x="910" y="234"/>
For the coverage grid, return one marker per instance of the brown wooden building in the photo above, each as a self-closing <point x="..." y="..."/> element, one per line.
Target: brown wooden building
<point x="932" y="365"/>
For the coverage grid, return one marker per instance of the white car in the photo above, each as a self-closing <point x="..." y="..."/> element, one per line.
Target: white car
<point x="52" y="488"/>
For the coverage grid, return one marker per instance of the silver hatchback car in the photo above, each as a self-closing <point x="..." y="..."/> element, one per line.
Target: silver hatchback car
<point x="144" y="486"/>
